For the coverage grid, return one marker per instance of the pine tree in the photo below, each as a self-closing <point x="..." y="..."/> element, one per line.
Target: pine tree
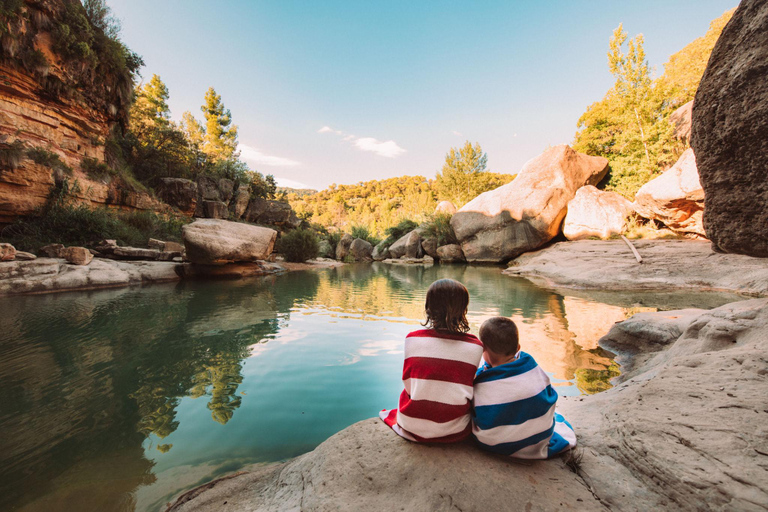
<point x="220" y="140"/>
<point x="458" y="182"/>
<point x="150" y="114"/>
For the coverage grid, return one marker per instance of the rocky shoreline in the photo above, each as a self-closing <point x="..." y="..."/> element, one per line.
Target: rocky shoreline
<point x="684" y="431"/>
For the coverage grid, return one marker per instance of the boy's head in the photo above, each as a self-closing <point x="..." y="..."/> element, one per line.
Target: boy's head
<point x="500" y="339"/>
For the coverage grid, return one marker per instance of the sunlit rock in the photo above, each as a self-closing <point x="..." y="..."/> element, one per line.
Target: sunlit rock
<point x="674" y="198"/>
<point x="595" y="213"/>
<point x="527" y="212"/>
<point x="211" y="241"/>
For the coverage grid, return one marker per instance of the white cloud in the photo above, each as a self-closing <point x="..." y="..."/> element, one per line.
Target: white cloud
<point x="348" y="137"/>
<point x="283" y="182"/>
<point x="458" y="134"/>
<point x="257" y="158"/>
<point x="325" y="129"/>
<point x="388" y="149"/>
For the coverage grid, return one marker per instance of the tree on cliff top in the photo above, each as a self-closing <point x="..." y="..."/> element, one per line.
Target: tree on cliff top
<point x="150" y="113"/>
<point x="220" y="141"/>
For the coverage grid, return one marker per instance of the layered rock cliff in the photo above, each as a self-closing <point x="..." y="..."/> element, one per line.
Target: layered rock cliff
<point x="69" y="127"/>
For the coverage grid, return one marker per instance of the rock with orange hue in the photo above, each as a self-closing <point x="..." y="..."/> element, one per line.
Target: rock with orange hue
<point x="593" y="212"/>
<point x="77" y="255"/>
<point x="524" y="214"/>
<point x="445" y="207"/>
<point x="214" y="241"/>
<point x="675" y="198"/>
<point x="7" y="252"/>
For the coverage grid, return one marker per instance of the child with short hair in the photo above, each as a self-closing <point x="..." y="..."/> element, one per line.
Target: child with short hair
<point x="514" y="402"/>
<point x="440" y="365"/>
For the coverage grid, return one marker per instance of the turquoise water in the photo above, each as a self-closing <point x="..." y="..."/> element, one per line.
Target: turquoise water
<point x="121" y="399"/>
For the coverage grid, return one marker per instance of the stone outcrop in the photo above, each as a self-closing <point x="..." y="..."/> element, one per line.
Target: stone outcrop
<point x="526" y="213"/>
<point x="681" y="120"/>
<point x="381" y="252"/>
<point x="69" y="130"/>
<point x="361" y="250"/>
<point x="179" y="193"/>
<point x="593" y="212"/>
<point x="730" y="134"/>
<point x="674" y="198"/>
<point x="45" y="275"/>
<point x="342" y="248"/>
<point x="687" y="433"/>
<point x="451" y="253"/>
<point x="667" y="265"/>
<point x="213" y="241"/>
<point x="324" y="249"/>
<point x="275" y="213"/>
<point x="445" y="207"/>
<point x="239" y="202"/>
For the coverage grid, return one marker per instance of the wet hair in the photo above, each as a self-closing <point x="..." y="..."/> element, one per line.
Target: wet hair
<point x="446" y="306"/>
<point x="499" y="335"/>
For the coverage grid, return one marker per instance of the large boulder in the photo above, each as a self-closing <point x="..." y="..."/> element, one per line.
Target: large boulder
<point x="361" y="250"/>
<point x="381" y="251"/>
<point x="179" y="193"/>
<point x="408" y="246"/>
<point x="526" y="213"/>
<point x="675" y="198"/>
<point x="256" y="207"/>
<point x="239" y="202"/>
<point x="429" y="246"/>
<point x="213" y="241"/>
<point x="445" y="207"/>
<point x="275" y="213"/>
<point x="342" y="248"/>
<point x="681" y="121"/>
<point x="730" y="134"/>
<point x="593" y="212"/>
<point x="324" y="249"/>
<point x="451" y="253"/>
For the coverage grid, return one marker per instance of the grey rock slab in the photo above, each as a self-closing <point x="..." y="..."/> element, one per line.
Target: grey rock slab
<point x="212" y="241"/>
<point x="667" y="265"/>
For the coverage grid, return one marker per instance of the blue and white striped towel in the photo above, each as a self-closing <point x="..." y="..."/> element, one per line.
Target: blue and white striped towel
<point x="514" y="411"/>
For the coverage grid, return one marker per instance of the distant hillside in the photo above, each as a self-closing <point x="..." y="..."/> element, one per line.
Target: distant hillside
<point x="296" y="192"/>
<point x="377" y="204"/>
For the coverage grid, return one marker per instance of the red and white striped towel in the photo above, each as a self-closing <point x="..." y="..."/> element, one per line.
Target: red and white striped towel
<point x="438" y="373"/>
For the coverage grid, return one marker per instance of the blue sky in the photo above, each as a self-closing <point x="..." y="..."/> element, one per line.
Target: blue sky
<point x="346" y="91"/>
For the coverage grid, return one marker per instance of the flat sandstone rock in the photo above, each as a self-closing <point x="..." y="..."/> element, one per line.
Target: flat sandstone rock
<point x="667" y="265"/>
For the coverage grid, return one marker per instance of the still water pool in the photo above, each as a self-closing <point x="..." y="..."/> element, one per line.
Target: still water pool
<point x="120" y="399"/>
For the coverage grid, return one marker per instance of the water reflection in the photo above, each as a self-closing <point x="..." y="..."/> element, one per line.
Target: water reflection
<point x="117" y="400"/>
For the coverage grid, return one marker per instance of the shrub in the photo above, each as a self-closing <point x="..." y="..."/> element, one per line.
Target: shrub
<point x="363" y="233"/>
<point x="334" y="238"/>
<point x="299" y="245"/>
<point x="404" y="227"/>
<point x="439" y="226"/>
<point x="69" y="224"/>
<point x="48" y="159"/>
<point x="96" y="170"/>
<point x="11" y="154"/>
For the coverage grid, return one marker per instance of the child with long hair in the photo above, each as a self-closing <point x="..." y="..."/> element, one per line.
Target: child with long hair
<point x="440" y="365"/>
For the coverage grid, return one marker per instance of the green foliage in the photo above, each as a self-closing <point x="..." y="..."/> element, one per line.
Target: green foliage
<point x="71" y="224"/>
<point x="219" y="134"/>
<point x="362" y="232"/>
<point x="630" y="125"/>
<point x="299" y="245"/>
<point x="439" y="226"/>
<point x="464" y="177"/>
<point x="398" y="231"/>
<point x="95" y="170"/>
<point x="48" y="159"/>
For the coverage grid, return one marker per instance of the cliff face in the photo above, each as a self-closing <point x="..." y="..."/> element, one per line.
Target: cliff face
<point x="68" y="128"/>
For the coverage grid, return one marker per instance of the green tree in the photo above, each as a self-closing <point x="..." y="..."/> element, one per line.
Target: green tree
<point x="220" y="139"/>
<point x="464" y="175"/>
<point x="150" y="114"/>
